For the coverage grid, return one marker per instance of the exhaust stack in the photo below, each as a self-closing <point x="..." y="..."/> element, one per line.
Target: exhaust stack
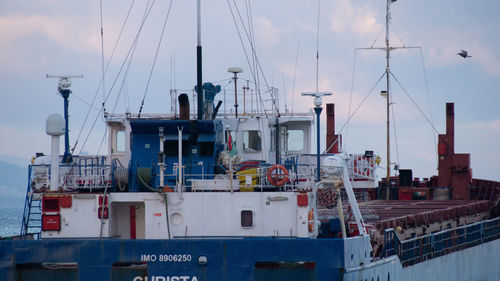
<point x="454" y="168"/>
<point x="332" y="140"/>
<point x="183" y="107"/>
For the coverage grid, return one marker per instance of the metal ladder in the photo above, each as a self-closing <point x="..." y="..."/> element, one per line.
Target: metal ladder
<point x="32" y="215"/>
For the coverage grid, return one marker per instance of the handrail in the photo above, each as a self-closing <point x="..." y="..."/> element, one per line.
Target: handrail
<point x="437" y="244"/>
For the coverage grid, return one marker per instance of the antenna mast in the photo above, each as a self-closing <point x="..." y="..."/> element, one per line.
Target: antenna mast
<point x="63" y="88"/>
<point x="387" y="93"/>
<point x="199" y="72"/>
<point x="317" y="48"/>
<point x="387" y="72"/>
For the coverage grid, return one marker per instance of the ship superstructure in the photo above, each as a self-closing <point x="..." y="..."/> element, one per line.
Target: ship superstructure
<point x="213" y="194"/>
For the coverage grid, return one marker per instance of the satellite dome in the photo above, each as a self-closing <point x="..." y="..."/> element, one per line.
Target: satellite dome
<point x="54" y="126"/>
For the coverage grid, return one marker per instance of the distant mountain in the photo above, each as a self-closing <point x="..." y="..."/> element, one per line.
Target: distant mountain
<point x="13" y="183"/>
<point x="13" y="175"/>
<point x="19" y="161"/>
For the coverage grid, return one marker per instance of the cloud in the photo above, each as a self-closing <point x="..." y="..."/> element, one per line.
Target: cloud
<point x="443" y="47"/>
<point x="491" y="127"/>
<point x="443" y="51"/>
<point x="487" y="59"/>
<point x="346" y="17"/>
<point x="268" y="34"/>
<point x="58" y="29"/>
<point x="480" y="139"/>
<point x="22" y="142"/>
<point x="287" y="67"/>
<point x="31" y="41"/>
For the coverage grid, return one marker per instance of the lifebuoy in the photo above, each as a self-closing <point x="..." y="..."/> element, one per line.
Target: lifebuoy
<point x="310" y="219"/>
<point x="277" y="179"/>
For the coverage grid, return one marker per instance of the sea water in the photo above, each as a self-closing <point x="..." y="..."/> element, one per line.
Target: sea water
<point x="10" y="219"/>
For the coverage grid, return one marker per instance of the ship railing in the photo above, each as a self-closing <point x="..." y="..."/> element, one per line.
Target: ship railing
<point x="360" y="166"/>
<point x="87" y="172"/>
<point x="252" y="178"/>
<point x="251" y="102"/>
<point x="437" y="244"/>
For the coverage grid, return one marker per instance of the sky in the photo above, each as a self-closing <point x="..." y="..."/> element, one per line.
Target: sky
<point x="63" y="37"/>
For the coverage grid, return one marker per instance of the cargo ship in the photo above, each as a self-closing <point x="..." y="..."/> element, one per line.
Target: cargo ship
<point x="209" y="194"/>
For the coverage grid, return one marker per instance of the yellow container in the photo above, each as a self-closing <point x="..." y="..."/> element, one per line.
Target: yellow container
<point x="248" y="179"/>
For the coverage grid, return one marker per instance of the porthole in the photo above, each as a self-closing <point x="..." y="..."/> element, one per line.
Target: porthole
<point x="176" y="219"/>
<point x="246" y="218"/>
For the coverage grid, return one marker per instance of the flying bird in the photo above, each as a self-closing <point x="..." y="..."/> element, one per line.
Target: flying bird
<point x="464" y="54"/>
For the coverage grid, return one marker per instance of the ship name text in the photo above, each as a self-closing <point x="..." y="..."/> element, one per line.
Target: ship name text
<point x="166" y="258"/>
<point x="165" y="278"/>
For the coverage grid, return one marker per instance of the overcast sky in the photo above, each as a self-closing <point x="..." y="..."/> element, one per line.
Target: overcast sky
<point x="63" y="37"/>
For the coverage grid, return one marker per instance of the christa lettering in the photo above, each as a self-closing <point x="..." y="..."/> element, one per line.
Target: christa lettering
<point x="165" y="278"/>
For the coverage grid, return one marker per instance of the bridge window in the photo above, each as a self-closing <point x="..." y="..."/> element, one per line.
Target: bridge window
<point x="295" y="140"/>
<point x="252" y="141"/>
<point x="206" y="148"/>
<point x="120" y="141"/>
<point x="171" y="148"/>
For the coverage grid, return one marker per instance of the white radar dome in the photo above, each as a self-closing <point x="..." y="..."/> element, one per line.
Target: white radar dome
<point x="54" y="126"/>
<point x="333" y="165"/>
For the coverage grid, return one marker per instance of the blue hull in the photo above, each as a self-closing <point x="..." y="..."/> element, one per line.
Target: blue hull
<point x="171" y="260"/>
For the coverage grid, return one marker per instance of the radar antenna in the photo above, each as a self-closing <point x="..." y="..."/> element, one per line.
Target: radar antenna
<point x="318" y="101"/>
<point x="63" y="89"/>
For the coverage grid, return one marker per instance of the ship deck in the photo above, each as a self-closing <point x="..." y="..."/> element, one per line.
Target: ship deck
<point x="385" y="214"/>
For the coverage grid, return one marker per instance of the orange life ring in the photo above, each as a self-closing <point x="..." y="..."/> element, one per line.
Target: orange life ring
<point x="310" y="219"/>
<point x="167" y="189"/>
<point x="275" y="178"/>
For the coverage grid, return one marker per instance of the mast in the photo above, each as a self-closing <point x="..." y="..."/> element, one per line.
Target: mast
<point x="198" y="64"/>
<point x="387" y="72"/>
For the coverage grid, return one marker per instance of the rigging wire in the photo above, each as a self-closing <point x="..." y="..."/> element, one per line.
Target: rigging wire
<point x="250" y="27"/>
<point x="120" y="70"/>
<point x="224" y="80"/>
<point x="156" y="56"/>
<point x="259" y="66"/>
<point x="295" y="72"/>
<point x="378" y="35"/>
<point x="350" y="95"/>
<point x="397" y="34"/>
<point x="317" y="48"/>
<point x="252" y="36"/>
<point x="124" y="80"/>
<point x="173" y="68"/>
<point x="172" y="72"/>
<point x="253" y="71"/>
<point x="257" y="61"/>
<point x="84" y="101"/>
<point x="355" y="111"/>
<point x="284" y="92"/>
<point x="101" y="82"/>
<point x="126" y="100"/>
<point x="414" y="103"/>
<point x="394" y="129"/>
<point x="428" y="98"/>
<point x="150" y="74"/>
<point x="130" y="59"/>
<point x="102" y="61"/>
